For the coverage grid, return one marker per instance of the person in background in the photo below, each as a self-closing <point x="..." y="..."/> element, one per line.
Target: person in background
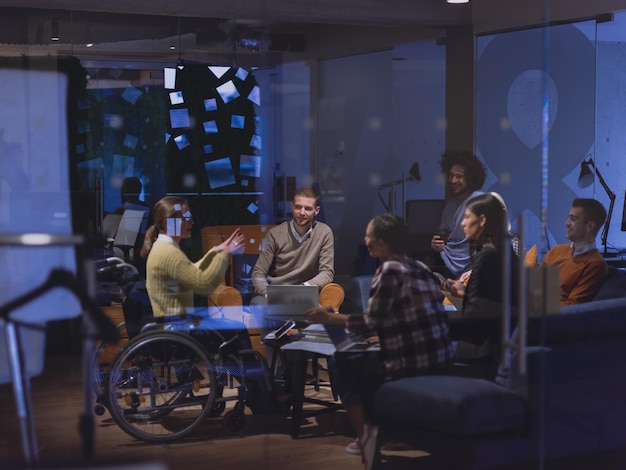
<point x="130" y="192"/>
<point x="407" y="318"/>
<point x="465" y="175"/>
<point x="477" y="328"/>
<point x="581" y="265"/>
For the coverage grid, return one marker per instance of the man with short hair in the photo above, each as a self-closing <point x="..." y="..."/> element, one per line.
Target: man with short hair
<point x="582" y="267"/>
<point x="465" y="175"/>
<point x="300" y="251"/>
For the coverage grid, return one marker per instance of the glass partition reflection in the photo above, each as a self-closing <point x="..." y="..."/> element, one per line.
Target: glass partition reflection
<point x="534" y="126"/>
<point x="361" y="113"/>
<point x="608" y="148"/>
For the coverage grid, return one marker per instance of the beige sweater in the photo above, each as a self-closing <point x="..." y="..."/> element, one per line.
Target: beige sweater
<point x="172" y="279"/>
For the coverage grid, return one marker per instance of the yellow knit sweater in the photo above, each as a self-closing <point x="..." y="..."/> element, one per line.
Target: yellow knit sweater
<point x="172" y="279"/>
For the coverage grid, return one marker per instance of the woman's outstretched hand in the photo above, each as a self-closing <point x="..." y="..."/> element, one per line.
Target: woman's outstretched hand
<point x="234" y="244"/>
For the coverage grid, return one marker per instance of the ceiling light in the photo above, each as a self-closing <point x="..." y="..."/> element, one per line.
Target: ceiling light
<point x="457" y="1"/>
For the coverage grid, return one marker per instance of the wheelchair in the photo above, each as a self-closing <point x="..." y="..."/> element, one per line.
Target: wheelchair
<point x="171" y="374"/>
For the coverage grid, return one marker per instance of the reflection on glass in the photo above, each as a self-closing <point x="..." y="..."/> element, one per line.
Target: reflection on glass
<point x="169" y="79"/>
<point x="255" y="96"/>
<point x="90" y="171"/>
<point x="250" y="165"/>
<point x="220" y="173"/>
<point x="114" y="121"/>
<point x="131" y="94"/>
<point x="228" y="91"/>
<point x="241" y="74"/>
<point x="208" y="148"/>
<point x="210" y="104"/>
<point x="237" y="122"/>
<point x="130" y="141"/>
<point x="256" y="142"/>
<point x="218" y="71"/>
<point x="210" y="127"/>
<point x="82" y="127"/>
<point x="123" y="165"/>
<point x="181" y="141"/>
<point x="252" y="208"/>
<point x="179" y="118"/>
<point x="176" y="97"/>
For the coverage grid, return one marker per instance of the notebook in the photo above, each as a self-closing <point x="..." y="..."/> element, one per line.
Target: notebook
<point x="291" y="302"/>
<point x="344" y="342"/>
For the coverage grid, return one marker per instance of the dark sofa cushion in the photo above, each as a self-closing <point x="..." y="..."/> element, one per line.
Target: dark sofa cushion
<point x="454" y="405"/>
<point x="614" y="286"/>
<point x="592" y="321"/>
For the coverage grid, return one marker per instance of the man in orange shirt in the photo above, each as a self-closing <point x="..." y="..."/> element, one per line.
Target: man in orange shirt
<point x="582" y="267"/>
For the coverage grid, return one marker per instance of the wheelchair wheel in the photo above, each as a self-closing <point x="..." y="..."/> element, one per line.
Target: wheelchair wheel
<point x="235" y="420"/>
<point x="160" y="386"/>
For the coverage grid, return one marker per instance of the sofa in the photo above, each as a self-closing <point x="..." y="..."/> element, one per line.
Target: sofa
<point x="570" y="402"/>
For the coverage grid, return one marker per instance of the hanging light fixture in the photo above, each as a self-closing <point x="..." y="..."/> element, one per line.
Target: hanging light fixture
<point x="54" y="36"/>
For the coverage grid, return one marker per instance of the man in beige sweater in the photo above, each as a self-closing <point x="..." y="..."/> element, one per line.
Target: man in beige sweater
<point x="300" y="251"/>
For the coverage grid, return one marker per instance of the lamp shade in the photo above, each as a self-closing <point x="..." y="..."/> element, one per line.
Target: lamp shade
<point x="585" y="178"/>
<point x="414" y="172"/>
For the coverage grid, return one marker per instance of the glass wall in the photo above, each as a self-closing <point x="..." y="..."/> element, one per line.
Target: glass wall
<point x="362" y="113"/>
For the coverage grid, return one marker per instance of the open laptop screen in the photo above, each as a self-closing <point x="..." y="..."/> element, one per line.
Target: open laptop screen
<point x="291" y="302"/>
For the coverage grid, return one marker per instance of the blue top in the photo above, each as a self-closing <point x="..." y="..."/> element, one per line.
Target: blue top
<point x="456" y="253"/>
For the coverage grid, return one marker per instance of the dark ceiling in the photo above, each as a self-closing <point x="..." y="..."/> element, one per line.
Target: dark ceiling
<point x="255" y="31"/>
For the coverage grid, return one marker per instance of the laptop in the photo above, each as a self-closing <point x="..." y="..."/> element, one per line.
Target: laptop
<point x="344" y="342"/>
<point x="291" y="302"/>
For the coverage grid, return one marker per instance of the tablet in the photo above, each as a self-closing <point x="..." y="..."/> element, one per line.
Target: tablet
<point x="280" y="332"/>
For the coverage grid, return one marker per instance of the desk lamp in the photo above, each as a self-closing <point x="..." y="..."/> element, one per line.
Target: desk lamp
<point x="414" y="175"/>
<point x="586" y="177"/>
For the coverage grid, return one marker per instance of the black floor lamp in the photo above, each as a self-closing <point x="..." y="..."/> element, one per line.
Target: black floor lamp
<point x="586" y="177"/>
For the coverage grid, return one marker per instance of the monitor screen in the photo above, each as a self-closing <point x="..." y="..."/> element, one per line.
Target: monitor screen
<point x="624" y="215"/>
<point x="422" y="218"/>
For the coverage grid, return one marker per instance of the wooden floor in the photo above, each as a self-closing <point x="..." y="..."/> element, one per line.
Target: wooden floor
<point x="264" y="443"/>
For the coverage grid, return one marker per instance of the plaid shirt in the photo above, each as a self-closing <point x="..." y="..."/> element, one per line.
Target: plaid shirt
<point x="406" y="312"/>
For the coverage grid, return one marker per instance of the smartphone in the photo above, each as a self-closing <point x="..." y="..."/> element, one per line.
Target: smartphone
<point x="444" y="282"/>
<point x="443" y="233"/>
<point x="280" y="332"/>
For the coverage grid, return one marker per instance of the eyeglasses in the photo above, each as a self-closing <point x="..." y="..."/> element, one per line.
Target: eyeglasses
<point x="187" y="216"/>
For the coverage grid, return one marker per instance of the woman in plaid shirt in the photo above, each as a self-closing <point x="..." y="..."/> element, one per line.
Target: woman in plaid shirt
<point x="405" y="315"/>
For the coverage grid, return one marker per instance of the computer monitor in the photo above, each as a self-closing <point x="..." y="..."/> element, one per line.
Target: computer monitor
<point x="422" y="218"/>
<point x="624" y="214"/>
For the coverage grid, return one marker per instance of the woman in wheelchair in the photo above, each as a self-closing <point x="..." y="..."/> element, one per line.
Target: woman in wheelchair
<point x="168" y="378"/>
<point x="171" y="278"/>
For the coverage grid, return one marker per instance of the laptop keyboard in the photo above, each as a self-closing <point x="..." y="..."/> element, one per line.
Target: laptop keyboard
<point x="358" y="347"/>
